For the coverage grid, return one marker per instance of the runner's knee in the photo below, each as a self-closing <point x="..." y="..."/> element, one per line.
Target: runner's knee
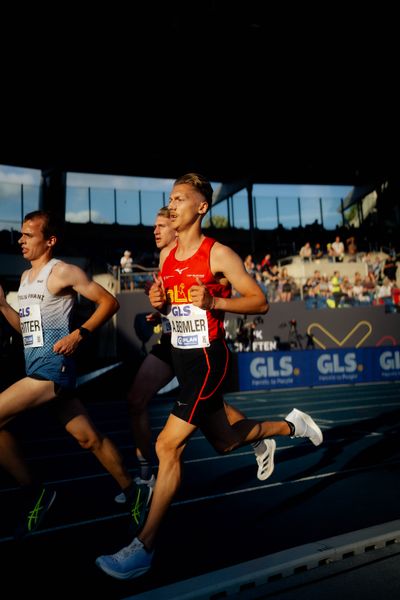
<point x="88" y="440"/>
<point x="166" y="449"/>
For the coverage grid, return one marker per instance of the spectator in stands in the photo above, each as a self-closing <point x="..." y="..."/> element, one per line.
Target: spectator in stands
<point x="369" y="286"/>
<point x="323" y="291"/>
<point x="351" y="249"/>
<point x="375" y="267"/>
<point x="267" y="269"/>
<point x="310" y="288"/>
<point x="347" y="291"/>
<point x="126" y="264"/>
<point x="285" y="286"/>
<point x="390" y="267"/>
<point x="266" y="262"/>
<point x="338" y="249"/>
<point x="271" y="279"/>
<point x="306" y="252"/>
<point x="336" y="290"/>
<point x="330" y="252"/>
<point x="358" y="290"/>
<point x="317" y="253"/>
<point x="249" y="265"/>
<point x="384" y="293"/>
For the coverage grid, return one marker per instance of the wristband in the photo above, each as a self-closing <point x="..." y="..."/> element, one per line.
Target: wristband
<point x="212" y="306"/>
<point x="84" y="332"/>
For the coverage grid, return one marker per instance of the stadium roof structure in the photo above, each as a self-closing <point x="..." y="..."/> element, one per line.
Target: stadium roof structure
<point x="235" y="92"/>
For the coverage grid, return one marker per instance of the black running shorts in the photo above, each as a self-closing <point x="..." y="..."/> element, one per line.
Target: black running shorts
<point x="201" y="373"/>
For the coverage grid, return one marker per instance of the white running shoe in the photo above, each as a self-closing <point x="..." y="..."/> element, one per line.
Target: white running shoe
<point x="305" y="426"/>
<point x="128" y="563"/>
<point x="121" y="498"/>
<point x="266" y="460"/>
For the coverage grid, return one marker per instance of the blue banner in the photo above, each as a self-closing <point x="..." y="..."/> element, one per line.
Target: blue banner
<point x="272" y="370"/>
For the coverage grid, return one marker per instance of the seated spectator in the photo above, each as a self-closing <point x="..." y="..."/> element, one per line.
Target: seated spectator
<point x="347" y="291"/>
<point x="317" y="252"/>
<point x="330" y="252"/>
<point x="335" y="287"/>
<point x="254" y="271"/>
<point x="266" y="262"/>
<point x="306" y="252"/>
<point x="359" y="297"/>
<point x="338" y="249"/>
<point x="351" y="249"/>
<point x="369" y="286"/>
<point x="384" y="293"/>
<point x="323" y="288"/>
<point x="390" y="267"/>
<point x="249" y="265"/>
<point x="271" y="279"/>
<point x="376" y="268"/>
<point x="285" y="285"/>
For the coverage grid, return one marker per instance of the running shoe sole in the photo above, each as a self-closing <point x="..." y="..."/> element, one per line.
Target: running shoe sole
<point x="128" y="575"/>
<point x="266" y="468"/>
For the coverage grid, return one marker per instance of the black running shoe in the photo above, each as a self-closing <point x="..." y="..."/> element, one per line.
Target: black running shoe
<point x="34" y="511"/>
<point x="138" y="506"/>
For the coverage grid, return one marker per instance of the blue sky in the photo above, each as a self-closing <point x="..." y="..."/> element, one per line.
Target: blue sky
<point x="11" y="179"/>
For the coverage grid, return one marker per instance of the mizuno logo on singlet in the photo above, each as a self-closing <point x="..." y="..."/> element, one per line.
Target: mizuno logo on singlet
<point x="180" y="271"/>
<point x="181" y="403"/>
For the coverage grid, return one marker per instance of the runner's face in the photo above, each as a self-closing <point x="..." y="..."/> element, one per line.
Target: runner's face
<point x="164" y="233"/>
<point x="185" y="204"/>
<point x="32" y="242"/>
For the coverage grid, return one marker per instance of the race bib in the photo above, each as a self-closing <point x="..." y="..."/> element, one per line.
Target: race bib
<point x="31" y="326"/>
<point x="189" y="326"/>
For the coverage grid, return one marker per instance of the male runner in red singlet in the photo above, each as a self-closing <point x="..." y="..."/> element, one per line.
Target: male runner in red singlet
<point x="155" y="372"/>
<point x="191" y="293"/>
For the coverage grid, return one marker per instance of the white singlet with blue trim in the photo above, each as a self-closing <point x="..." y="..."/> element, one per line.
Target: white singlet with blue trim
<point x="45" y="318"/>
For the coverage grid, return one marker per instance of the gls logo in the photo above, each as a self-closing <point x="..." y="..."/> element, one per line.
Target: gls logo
<point x="390" y="360"/>
<point x="330" y="363"/>
<point x="180" y="311"/>
<point x="265" y="367"/>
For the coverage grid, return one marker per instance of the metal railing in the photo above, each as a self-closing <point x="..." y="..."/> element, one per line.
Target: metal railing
<point x="134" y="280"/>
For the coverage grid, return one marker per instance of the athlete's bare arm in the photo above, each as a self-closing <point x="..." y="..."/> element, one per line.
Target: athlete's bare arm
<point x="225" y="262"/>
<point x="64" y="276"/>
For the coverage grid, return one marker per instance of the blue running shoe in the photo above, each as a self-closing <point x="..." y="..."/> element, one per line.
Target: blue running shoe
<point x="128" y="563"/>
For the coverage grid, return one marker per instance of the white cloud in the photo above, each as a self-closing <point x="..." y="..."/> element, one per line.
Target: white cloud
<point x="82" y="216"/>
<point x="19" y="175"/>
<point x="119" y="182"/>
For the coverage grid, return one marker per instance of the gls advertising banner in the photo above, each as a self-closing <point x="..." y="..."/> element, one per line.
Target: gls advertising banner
<point x="258" y="370"/>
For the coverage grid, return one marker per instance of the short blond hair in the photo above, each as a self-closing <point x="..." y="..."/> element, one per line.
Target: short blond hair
<point x="200" y="183"/>
<point x="164" y="212"/>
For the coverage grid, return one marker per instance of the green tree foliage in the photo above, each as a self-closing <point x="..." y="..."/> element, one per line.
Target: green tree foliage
<point x="218" y="221"/>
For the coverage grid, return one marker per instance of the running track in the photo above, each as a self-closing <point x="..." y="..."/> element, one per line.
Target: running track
<point x="223" y="515"/>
